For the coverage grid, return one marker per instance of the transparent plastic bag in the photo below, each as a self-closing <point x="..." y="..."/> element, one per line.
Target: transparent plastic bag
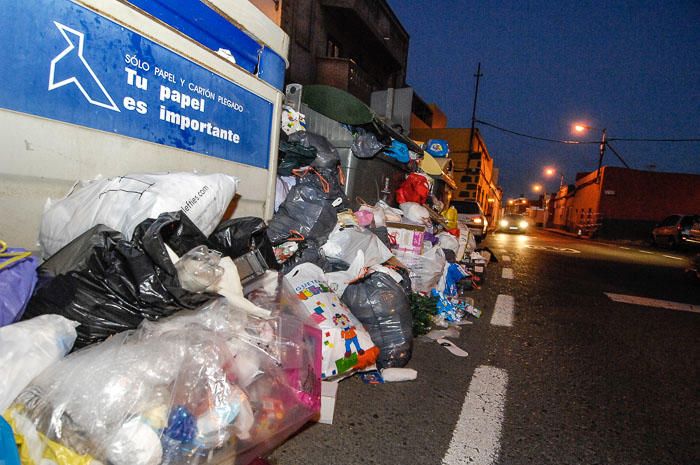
<point x="209" y="386"/>
<point x="425" y="270"/>
<point x="29" y="347"/>
<point x="199" y="268"/>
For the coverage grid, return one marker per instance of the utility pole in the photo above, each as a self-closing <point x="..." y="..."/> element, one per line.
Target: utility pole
<point x="603" y="143"/>
<point x="476" y="95"/>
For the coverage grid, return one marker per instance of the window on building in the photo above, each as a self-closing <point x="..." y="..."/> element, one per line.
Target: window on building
<point x="466" y="179"/>
<point x="333" y="48"/>
<point x="471" y="186"/>
<point x="464" y="194"/>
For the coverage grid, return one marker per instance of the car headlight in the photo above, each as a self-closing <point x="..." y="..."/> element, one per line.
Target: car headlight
<point x="523" y="224"/>
<point x="477" y="221"/>
<point x="503" y="223"/>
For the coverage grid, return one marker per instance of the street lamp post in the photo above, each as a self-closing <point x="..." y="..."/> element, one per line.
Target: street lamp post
<point x="601" y="150"/>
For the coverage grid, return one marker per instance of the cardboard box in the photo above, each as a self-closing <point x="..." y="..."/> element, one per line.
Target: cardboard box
<point x="406" y="237"/>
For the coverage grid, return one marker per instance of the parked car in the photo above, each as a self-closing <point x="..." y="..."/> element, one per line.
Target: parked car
<point x="674" y="230"/>
<point x="471" y="214"/>
<point x="694" y="233"/>
<point x="513" y="223"/>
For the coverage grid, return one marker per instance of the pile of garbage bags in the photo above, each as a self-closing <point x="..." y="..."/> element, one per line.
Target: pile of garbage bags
<point x="157" y="331"/>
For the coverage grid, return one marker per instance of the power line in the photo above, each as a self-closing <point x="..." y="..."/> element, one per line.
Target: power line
<point x="546" y="139"/>
<point x="631" y="139"/>
<point x="617" y="155"/>
<point x="577" y="142"/>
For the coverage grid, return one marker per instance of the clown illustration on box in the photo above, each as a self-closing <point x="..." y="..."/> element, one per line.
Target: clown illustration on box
<point x="348" y="333"/>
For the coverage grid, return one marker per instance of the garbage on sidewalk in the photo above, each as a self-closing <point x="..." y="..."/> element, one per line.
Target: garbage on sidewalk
<point x="205" y="339"/>
<point x="213" y="385"/>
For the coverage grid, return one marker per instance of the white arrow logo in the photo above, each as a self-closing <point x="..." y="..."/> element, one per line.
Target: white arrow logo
<point x="100" y="96"/>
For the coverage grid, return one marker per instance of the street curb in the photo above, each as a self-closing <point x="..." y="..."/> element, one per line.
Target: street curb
<point x="565" y="233"/>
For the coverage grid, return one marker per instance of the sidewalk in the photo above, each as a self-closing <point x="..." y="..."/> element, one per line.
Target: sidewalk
<point x="564" y="233"/>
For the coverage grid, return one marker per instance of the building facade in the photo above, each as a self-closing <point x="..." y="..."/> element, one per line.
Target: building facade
<point x="358" y="46"/>
<point x="626" y="203"/>
<point x="474" y="170"/>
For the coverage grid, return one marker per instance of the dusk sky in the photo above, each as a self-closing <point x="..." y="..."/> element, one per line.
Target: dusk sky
<point x="632" y="67"/>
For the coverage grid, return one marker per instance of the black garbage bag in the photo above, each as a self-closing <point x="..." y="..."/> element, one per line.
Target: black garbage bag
<point x="309" y="252"/>
<point x="406" y="281"/>
<point x="115" y="283"/>
<point x="235" y="238"/>
<point x="306" y="211"/>
<point x="327" y="180"/>
<point x="326" y="154"/>
<point x="366" y="144"/>
<point x="294" y="155"/>
<point x="383" y="308"/>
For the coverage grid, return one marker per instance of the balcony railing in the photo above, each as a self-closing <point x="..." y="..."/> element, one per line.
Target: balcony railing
<point x="345" y="74"/>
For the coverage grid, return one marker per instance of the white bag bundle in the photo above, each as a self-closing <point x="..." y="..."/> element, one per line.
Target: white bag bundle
<point x="27" y="348"/>
<point x="415" y="212"/>
<point x="427" y="269"/>
<point x="123" y="202"/>
<point x="344" y="243"/>
<point x="448" y="241"/>
<point x="347" y="345"/>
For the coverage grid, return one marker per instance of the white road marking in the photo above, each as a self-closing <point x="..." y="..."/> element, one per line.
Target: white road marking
<point x="503" y="311"/>
<point x="671" y="256"/>
<point x="625" y="248"/>
<point x="646" y="302"/>
<point x="646" y="251"/>
<point x="476" y="439"/>
<point x="552" y="248"/>
<point x="507" y="273"/>
<point x="505" y="258"/>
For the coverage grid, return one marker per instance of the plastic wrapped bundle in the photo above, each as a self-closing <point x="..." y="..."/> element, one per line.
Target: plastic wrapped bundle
<point x="211" y="386"/>
<point x="382" y="306"/>
<point x="123" y="202"/>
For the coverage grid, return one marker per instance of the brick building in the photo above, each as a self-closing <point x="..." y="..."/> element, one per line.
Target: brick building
<point x="626" y="203"/>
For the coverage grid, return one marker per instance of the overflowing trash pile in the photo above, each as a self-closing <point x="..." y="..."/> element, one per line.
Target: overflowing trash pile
<point x="156" y="331"/>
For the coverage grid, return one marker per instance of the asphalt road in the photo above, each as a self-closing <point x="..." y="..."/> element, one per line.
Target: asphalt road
<point x="561" y="375"/>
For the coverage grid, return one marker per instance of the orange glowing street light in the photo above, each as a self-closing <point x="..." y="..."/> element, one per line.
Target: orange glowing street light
<point x="549" y="172"/>
<point x="581" y="128"/>
<point x="537" y="187"/>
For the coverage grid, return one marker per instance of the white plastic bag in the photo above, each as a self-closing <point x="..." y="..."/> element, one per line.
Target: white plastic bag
<point x="27" y="348"/>
<point x="343" y="244"/>
<point x="448" y="241"/>
<point x="347" y="345"/>
<point x="415" y="212"/>
<point x="339" y="280"/>
<point x="391" y="214"/>
<point x="123" y="202"/>
<point x="426" y="269"/>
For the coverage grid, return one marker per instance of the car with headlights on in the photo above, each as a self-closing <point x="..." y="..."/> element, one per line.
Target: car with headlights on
<point x="513" y="223"/>
<point x="471" y="214"/>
